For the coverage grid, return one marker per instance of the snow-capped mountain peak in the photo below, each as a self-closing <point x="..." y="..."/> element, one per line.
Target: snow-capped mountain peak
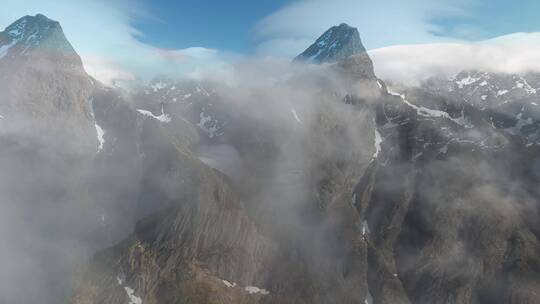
<point x="338" y="42"/>
<point x="33" y="32"/>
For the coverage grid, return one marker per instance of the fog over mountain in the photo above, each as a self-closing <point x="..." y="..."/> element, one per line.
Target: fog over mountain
<point x="311" y="181"/>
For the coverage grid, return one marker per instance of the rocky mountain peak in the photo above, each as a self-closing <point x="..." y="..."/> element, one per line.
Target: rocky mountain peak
<point x="33" y="33"/>
<point x="338" y="42"/>
<point x="28" y="24"/>
<point x="40" y="72"/>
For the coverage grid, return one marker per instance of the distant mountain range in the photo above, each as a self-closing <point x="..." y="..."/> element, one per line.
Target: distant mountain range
<point x="326" y="187"/>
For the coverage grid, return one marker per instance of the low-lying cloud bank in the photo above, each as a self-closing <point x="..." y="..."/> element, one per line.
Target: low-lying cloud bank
<point x="515" y="53"/>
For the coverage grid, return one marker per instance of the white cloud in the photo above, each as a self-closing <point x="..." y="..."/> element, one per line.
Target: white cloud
<point x="106" y="71"/>
<point x="102" y="34"/>
<point x="515" y="53"/>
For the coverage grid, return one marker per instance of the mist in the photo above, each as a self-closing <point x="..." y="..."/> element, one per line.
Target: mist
<point x="313" y="182"/>
<point x="61" y="204"/>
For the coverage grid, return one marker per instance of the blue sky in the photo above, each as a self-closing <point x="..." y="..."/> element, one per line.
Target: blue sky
<point x="213" y="24"/>
<point x="228" y="25"/>
<point x="127" y="39"/>
<point x="489" y="19"/>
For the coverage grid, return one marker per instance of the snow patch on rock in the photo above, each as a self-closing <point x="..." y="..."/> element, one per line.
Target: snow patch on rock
<point x="369" y="298"/>
<point x="255" y="290"/>
<point x="228" y="284"/>
<point x="377" y="143"/>
<point x="162" y="118"/>
<point x="158" y="86"/>
<point x="466" y="81"/>
<point x="133" y="299"/>
<point x="426" y="112"/>
<point x="501" y="92"/>
<point x="365" y="228"/>
<point x="100" y="136"/>
<point x="295" y="115"/>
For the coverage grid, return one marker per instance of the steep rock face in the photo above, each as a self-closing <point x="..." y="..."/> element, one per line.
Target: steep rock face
<point x="357" y="67"/>
<point x="117" y="165"/>
<point x="342" y="48"/>
<point x="43" y="80"/>
<point x="339" y="42"/>
<point x="48" y="142"/>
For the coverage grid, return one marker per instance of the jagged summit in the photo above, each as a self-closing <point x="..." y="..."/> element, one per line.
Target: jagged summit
<point x="33" y="32"/>
<point x="27" y="24"/>
<point x="338" y="42"/>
